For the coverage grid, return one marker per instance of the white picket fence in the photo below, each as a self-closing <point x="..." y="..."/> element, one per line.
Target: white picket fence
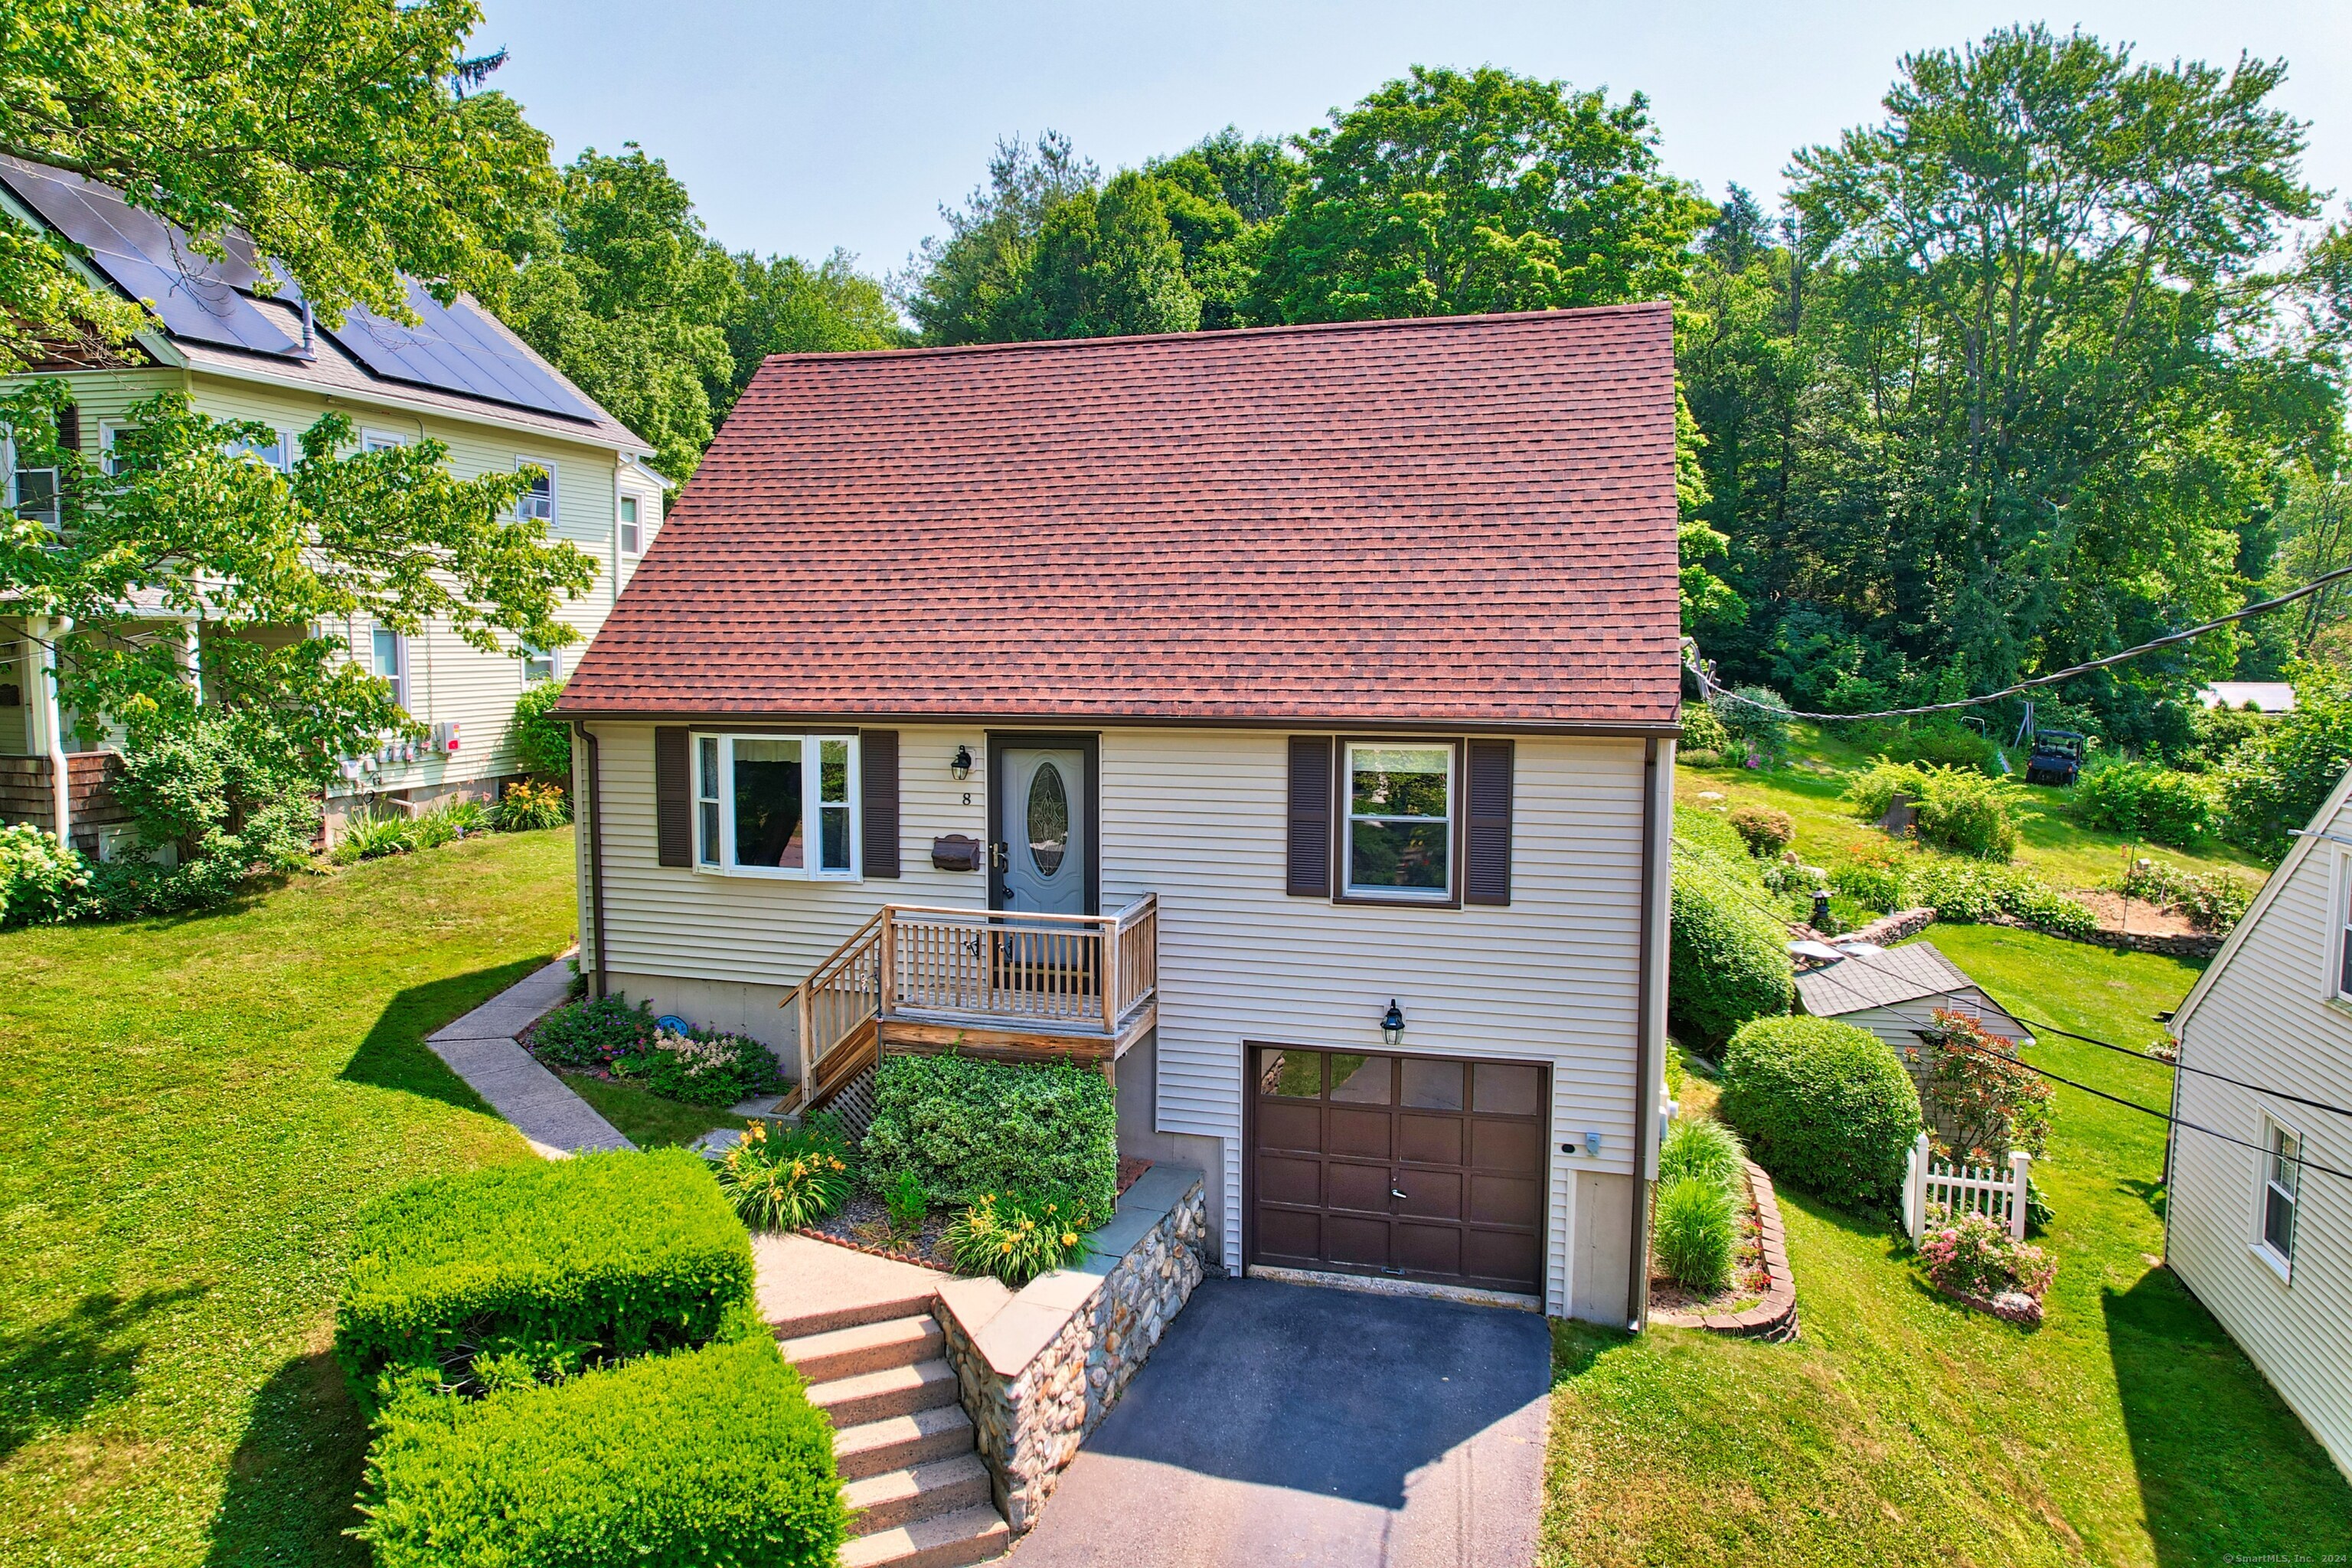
<point x="1988" y="1189"/>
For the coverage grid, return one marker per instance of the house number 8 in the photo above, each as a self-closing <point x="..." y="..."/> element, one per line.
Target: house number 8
<point x="967" y="797"/>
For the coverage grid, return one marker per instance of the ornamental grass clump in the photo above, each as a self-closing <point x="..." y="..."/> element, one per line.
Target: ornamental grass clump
<point x="1696" y="1233"/>
<point x="1018" y="1235"/>
<point x="1701" y="1146"/>
<point x="785" y="1179"/>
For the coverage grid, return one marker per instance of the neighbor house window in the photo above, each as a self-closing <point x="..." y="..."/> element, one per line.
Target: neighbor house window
<point x="541" y="664"/>
<point x="2344" y="928"/>
<point x="1400" y="826"/>
<point x="632" y="543"/>
<point x="114" y="455"/>
<point x="381" y="441"/>
<point x="538" y="501"/>
<point x="388" y="660"/>
<point x="272" y="452"/>
<point x="33" y="493"/>
<point x="2282" y="1193"/>
<point x="780" y="805"/>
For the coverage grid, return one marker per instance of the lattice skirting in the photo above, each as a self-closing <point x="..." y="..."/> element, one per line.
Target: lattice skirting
<point x="855" y="1104"/>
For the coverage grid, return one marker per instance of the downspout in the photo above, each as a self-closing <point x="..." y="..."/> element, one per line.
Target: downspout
<point x="1647" y="995"/>
<point x="53" y="723"/>
<point x="596" y="852"/>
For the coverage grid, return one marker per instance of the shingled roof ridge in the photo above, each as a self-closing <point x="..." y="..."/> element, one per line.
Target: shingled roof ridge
<point x="1215" y="335"/>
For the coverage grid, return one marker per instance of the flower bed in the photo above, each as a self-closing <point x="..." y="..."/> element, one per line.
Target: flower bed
<point x="1978" y="1265"/>
<point x="1762" y="1301"/>
<point x="864" y="1224"/>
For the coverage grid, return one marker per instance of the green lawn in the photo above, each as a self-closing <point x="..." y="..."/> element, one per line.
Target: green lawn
<point x="194" y="1109"/>
<point x="644" y="1118"/>
<point x="1898" y="1428"/>
<point x="2051" y="844"/>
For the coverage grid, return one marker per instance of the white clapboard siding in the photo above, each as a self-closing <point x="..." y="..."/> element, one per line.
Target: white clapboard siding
<point x="1199" y="818"/>
<point x="1900" y="1024"/>
<point x="2267" y="1017"/>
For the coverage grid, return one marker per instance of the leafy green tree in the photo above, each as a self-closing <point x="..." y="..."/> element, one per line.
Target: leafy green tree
<point x="265" y="564"/>
<point x="788" y="306"/>
<point x="622" y="290"/>
<point x="1223" y="197"/>
<point x="1447" y="193"/>
<point x="337" y="135"/>
<point x="955" y="288"/>
<point x="2275" y="781"/>
<point x="2014" y="382"/>
<point x="1103" y="265"/>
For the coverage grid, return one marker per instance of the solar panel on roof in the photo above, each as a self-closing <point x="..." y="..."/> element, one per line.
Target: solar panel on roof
<point x="194" y="295"/>
<point x="456" y="348"/>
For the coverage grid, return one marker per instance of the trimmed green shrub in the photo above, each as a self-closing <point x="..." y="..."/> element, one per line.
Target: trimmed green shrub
<point x="1823" y="1105"/>
<point x="2145" y="801"/>
<point x="1702" y="731"/>
<point x="1764" y="831"/>
<point x="711" y="1456"/>
<point x="1695" y="1232"/>
<point x="42" y="878"/>
<point x="785" y="1179"/>
<point x="592" y="1031"/>
<point x="572" y="1261"/>
<point x="966" y="1127"/>
<point x="1727" y="960"/>
<point x="1701" y="1146"/>
<point x="702" y="1066"/>
<point x="1757" y="728"/>
<point x="542" y="745"/>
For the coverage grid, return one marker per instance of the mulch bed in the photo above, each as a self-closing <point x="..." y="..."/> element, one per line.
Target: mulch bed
<point x="864" y="1225"/>
<point x="1748" y="1278"/>
<point x="1741" y="1309"/>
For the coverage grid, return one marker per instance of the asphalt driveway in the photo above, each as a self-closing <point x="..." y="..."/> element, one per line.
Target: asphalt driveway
<point x="1292" y="1424"/>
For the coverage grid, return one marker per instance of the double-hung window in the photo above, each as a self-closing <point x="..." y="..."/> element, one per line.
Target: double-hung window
<point x="33" y="493"/>
<point x="2344" y="927"/>
<point x="274" y="452"/>
<point x="537" y="502"/>
<point x="632" y="540"/>
<point x="388" y="660"/>
<point x="776" y="806"/>
<point x="1399" y="824"/>
<point x="541" y="664"/>
<point x="2282" y="1193"/>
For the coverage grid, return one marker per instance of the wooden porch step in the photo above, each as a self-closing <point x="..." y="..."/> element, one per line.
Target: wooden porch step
<point x="894" y="1391"/>
<point x="901" y="1442"/>
<point x="945" y="1541"/>
<point x="865" y="1347"/>
<point x="896" y="1498"/>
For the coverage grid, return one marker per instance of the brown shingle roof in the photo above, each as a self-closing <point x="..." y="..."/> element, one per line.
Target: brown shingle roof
<point x="1459" y="521"/>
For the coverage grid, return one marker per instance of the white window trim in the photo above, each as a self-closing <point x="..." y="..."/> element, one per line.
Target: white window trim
<point x="2281" y="1265"/>
<point x="108" y="429"/>
<point x="554" y="510"/>
<point x="553" y="656"/>
<point x="379" y="440"/>
<point x="286" y="446"/>
<point x="9" y="472"/>
<point x="1344" y="873"/>
<point x="2339" y="904"/>
<point x="399" y="662"/>
<point x="812" y="817"/>
<point x="621" y="523"/>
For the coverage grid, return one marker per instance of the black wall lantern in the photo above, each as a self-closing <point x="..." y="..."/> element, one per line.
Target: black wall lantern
<point x="1392" y="1023"/>
<point x="961" y="769"/>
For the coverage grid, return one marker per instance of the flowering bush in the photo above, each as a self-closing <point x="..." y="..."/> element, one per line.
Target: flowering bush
<point x="41" y="880"/>
<point x="528" y="804"/>
<point x="1764" y="831"/>
<point x="593" y="1033"/>
<point x="1991" y="1104"/>
<point x="1971" y="1256"/>
<point x="702" y="1066"/>
<point x="784" y="1180"/>
<point x="1018" y="1235"/>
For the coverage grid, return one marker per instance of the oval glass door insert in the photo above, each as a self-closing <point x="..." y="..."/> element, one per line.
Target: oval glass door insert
<point x="1049" y="819"/>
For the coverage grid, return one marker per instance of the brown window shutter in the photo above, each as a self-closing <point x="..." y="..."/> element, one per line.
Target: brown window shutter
<point x="1310" y="817"/>
<point x="69" y="428"/>
<point x="877" y="763"/>
<point x="673" y="797"/>
<point x="1486" y="875"/>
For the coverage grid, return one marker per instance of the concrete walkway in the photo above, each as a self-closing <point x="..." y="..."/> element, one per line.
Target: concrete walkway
<point x="480" y="1048"/>
<point x="1297" y="1424"/>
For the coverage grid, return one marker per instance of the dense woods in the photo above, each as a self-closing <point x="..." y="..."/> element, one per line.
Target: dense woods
<point x="2041" y="358"/>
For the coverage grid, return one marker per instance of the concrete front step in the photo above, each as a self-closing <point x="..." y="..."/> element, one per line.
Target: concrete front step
<point x="896" y="1497"/>
<point x="944" y="1541"/>
<point x="866" y="1347"/>
<point x="893" y="1390"/>
<point x="901" y="1442"/>
<point x="908" y="1300"/>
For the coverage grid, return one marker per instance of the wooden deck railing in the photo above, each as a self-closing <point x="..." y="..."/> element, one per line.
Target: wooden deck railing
<point x="1056" y="973"/>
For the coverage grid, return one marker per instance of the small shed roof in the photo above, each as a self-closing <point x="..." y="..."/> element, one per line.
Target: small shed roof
<point x="1915" y="972"/>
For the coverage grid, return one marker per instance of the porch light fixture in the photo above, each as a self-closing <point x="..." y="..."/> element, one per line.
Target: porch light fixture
<point x="961" y="769"/>
<point x="1392" y="1025"/>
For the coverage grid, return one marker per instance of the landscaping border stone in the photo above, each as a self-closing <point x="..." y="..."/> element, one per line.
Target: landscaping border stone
<point x="1040" y="1368"/>
<point x="1775" y="1317"/>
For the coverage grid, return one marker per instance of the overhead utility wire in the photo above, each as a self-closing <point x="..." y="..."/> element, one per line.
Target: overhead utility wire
<point x="1782" y="917"/>
<point x="1708" y="687"/>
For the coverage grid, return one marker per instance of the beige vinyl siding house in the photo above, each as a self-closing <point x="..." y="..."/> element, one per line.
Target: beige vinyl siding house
<point x="1179" y="707"/>
<point x="601" y="497"/>
<point x="2264" y="1242"/>
<point x="1198" y="817"/>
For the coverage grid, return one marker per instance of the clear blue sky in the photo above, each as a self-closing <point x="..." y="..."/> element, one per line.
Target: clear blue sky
<point x="802" y="127"/>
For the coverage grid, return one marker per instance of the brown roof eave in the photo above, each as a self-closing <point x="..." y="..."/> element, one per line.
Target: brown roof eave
<point x="1354" y="723"/>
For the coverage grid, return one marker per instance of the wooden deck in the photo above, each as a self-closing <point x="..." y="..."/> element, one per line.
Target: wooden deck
<point x="921" y="979"/>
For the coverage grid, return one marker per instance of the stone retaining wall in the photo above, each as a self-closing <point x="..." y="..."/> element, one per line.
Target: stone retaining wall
<point x="1039" y="1370"/>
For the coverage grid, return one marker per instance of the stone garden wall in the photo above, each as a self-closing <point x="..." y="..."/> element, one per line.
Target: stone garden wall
<point x="1039" y="1369"/>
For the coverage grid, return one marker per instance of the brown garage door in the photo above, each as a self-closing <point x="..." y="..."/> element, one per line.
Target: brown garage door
<point x="1418" y="1167"/>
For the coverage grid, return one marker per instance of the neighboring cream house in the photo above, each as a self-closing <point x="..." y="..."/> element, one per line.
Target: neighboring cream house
<point x="1281" y="721"/>
<point x="2254" y="1225"/>
<point x="460" y="378"/>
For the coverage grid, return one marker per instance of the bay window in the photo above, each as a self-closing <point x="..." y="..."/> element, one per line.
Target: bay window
<point x="776" y="806"/>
